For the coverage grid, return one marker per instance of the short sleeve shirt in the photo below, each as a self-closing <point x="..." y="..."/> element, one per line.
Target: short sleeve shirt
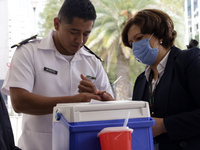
<point x="39" y="68"/>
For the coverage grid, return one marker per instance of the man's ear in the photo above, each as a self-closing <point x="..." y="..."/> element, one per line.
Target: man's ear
<point x="56" y="23"/>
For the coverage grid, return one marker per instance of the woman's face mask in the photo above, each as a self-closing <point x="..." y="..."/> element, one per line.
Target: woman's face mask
<point x="143" y="52"/>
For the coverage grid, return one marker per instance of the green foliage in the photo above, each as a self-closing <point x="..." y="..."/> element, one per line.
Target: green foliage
<point x="175" y="9"/>
<point x="112" y="72"/>
<point x="173" y="6"/>
<point x="50" y="12"/>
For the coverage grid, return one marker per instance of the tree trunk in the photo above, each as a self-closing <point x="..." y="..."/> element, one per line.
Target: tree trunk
<point x="122" y="91"/>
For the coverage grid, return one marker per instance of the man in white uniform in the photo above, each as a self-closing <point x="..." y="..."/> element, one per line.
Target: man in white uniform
<point x="46" y="72"/>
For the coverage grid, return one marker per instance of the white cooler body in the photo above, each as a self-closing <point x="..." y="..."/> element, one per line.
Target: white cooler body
<point x="83" y="117"/>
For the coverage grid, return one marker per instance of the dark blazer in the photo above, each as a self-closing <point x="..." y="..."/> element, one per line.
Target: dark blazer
<point x="177" y="100"/>
<point x="6" y="134"/>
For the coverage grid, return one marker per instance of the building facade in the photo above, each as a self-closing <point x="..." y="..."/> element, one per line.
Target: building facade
<point x="192" y="20"/>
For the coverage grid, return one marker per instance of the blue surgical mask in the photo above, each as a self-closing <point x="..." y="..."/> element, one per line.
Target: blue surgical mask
<point x="143" y="52"/>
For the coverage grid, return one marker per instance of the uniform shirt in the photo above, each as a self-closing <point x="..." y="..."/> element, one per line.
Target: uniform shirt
<point x="60" y="78"/>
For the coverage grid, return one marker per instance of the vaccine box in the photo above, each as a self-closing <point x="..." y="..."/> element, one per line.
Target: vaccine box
<point x="76" y="125"/>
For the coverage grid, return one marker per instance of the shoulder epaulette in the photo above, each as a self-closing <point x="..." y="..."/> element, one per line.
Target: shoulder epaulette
<point x="91" y="52"/>
<point x="24" y="41"/>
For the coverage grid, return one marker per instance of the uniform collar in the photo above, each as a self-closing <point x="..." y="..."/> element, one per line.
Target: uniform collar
<point x="82" y="51"/>
<point x="48" y="39"/>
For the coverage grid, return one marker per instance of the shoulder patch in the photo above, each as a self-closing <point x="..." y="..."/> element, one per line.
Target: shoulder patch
<point x="24" y="41"/>
<point x="91" y="52"/>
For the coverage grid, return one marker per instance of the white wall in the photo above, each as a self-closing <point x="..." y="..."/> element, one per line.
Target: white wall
<point x="3" y="38"/>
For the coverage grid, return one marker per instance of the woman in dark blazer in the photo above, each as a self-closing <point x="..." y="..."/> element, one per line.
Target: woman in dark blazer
<point x="170" y="82"/>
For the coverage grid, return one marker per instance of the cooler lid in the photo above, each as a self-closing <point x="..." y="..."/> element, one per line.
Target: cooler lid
<point x="98" y="110"/>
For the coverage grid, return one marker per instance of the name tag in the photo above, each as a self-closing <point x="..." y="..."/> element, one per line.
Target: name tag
<point x="50" y="70"/>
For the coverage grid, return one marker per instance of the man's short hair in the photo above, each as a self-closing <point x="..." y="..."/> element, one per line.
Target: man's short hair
<point x="83" y="9"/>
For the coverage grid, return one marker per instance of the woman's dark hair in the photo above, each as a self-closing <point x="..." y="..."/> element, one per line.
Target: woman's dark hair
<point x="83" y="9"/>
<point x="152" y="21"/>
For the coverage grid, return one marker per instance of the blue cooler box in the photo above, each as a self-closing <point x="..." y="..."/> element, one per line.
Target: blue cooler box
<point x="75" y="126"/>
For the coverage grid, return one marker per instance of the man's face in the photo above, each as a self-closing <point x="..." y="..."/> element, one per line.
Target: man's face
<point x="69" y="38"/>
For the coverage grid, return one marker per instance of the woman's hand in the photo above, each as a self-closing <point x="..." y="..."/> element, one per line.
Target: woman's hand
<point x="87" y="85"/>
<point x="159" y="127"/>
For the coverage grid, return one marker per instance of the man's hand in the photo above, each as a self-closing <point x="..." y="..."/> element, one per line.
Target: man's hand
<point x="105" y="96"/>
<point x="87" y="85"/>
<point x="86" y="97"/>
